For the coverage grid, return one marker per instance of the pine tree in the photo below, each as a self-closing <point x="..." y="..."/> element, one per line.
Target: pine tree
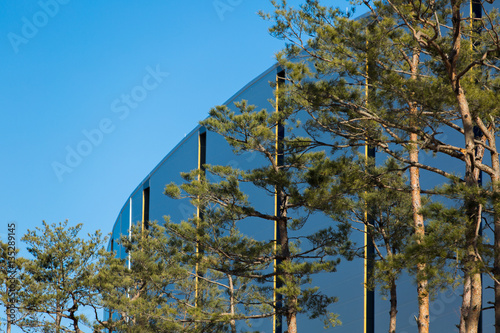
<point x="397" y="79"/>
<point x="222" y="194"/>
<point x="58" y="280"/>
<point x="154" y="289"/>
<point x="11" y="289"/>
<point x="383" y="207"/>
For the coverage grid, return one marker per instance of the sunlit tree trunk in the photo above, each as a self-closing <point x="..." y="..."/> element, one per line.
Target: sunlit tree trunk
<point x="418" y="219"/>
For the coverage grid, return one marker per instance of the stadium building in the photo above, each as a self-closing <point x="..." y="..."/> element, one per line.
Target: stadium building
<point x="359" y="309"/>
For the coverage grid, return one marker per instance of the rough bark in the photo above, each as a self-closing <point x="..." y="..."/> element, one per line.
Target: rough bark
<point x="489" y="134"/>
<point x="291" y="300"/>
<point x="418" y="219"/>
<point x="8" y="326"/>
<point x="291" y="312"/>
<point x="58" y="319"/>
<point x="472" y="294"/>
<point x="232" y="322"/>
<point x="496" y="270"/>
<point x="394" y="307"/>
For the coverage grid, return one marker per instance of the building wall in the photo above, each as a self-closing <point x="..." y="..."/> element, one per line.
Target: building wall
<point x="347" y="283"/>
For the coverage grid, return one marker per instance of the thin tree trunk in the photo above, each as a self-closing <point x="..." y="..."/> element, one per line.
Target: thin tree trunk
<point x="291" y="301"/>
<point x="8" y="325"/>
<point x="418" y="219"/>
<point x="394" y="307"/>
<point x="465" y="300"/>
<point x="496" y="268"/>
<point x="291" y="318"/>
<point x="471" y="308"/>
<point x="232" y="322"/>
<point x="392" y="281"/>
<point x="495" y="179"/>
<point x="73" y="318"/>
<point x="472" y="295"/>
<point x="422" y="283"/>
<point x="58" y="320"/>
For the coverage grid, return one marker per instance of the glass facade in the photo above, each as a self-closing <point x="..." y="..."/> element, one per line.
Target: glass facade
<point x="347" y="283"/>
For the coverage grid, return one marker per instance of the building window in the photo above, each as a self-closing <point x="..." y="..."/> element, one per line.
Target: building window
<point x="145" y="208"/>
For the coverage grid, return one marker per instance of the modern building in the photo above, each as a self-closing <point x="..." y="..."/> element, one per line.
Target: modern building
<point x="357" y="313"/>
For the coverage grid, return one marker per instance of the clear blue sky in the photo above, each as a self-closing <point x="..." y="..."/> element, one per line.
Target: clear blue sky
<point x="66" y="69"/>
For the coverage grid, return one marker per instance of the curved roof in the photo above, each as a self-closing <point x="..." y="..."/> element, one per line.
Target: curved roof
<point x="190" y="134"/>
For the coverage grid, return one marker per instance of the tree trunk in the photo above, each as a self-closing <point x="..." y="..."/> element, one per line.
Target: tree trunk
<point x="232" y="322"/>
<point x="471" y="303"/>
<point x="495" y="179"/>
<point x="418" y="219"/>
<point x="465" y="300"/>
<point x="472" y="295"/>
<point x="58" y="323"/>
<point x="291" y="318"/>
<point x="496" y="268"/>
<point x="394" y="307"/>
<point x="422" y="284"/>
<point x="58" y="319"/>
<point x="291" y="301"/>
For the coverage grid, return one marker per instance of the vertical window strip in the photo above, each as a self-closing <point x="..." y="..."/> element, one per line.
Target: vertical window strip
<point x="280" y="133"/>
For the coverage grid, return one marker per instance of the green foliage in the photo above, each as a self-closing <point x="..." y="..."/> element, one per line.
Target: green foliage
<point x="380" y="205"/>
<point x="227" y="211"/>
<point x="397" y="79"/>
<point x="138" y="291"/>
<point x="11" y="286"/>
<point x="57" y="282"/>
<point x="448" y="233"/>
<point x="165" y="285"/>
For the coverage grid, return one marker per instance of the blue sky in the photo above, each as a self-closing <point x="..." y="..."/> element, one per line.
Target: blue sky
<point x="68" y="67"/>
<point x="95" y="93"/>
<point x="117" y="82"/>
<point x="131" y="78"/>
